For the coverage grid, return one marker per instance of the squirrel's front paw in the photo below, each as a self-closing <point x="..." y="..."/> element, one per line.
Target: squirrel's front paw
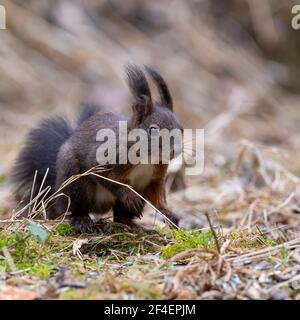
<point x="133" y="203"/>
<point x="82" y="224"/>
<point x="173" y="216"/>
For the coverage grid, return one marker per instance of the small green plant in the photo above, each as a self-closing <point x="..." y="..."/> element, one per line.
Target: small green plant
<point x="65" y="230"/>
<point x="184" y="240"/>
<point x="268" y="242"/>
<point x="69" y="295"/>
<point x="2" y="178"/>
<point x="7" y="239"/>
<point x="41" y="270"/>
<point x="27" y="254"/>
<point x="284" y="256"/>
<point x="251" y="240"/>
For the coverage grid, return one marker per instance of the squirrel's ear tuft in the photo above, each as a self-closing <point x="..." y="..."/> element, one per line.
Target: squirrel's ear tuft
<point x="139" y="87"/>
<point x="162" y="87"/>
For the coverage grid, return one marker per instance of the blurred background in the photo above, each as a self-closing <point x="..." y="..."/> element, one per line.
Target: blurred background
<point x="232" y="67"/>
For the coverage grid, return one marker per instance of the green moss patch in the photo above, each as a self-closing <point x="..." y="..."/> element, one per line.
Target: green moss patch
<point x="185" y="240"/>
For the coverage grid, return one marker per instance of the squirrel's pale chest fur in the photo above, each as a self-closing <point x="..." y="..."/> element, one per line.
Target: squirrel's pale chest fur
<point x="139" y="179"/>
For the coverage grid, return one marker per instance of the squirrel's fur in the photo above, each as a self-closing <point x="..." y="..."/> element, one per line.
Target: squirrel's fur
<point x="68" y="150"/>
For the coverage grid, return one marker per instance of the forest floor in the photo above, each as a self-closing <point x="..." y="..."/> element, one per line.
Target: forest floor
<point x="245" y="246"/>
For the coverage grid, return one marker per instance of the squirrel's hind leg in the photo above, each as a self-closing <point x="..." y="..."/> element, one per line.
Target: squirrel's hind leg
<point x="123" y="215"/>
<point x="79" y="206"/>
<point x="77" y="194"/>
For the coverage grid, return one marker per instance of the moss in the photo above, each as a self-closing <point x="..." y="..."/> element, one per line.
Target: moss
<point x="117" y="287"/>
<point x="41" y="270"/>
<point x="121" y="245"/>
<point x="7" y="239"/>
<point x="268" y="242"/>
<point x="284" y="256"/>
<point x="148" y="291"/>
<point x="163" y="232"/>
<point x="69" y="295"/>
<point x="39" y="259"/>
<point x="2" y="178"/>
<point x="184" y="240"/>
<point x="251" y="240"/>
<point x="65" y="230"/>
<point x="92" y="292"/>
<point x="28" y="254"/>
<point x="92" y="264"/>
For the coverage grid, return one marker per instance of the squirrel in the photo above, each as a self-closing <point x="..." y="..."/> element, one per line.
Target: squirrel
<point x="64" y="150"/>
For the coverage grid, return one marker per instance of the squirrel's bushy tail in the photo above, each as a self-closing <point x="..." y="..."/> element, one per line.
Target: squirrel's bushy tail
<point x="39" y="154"/>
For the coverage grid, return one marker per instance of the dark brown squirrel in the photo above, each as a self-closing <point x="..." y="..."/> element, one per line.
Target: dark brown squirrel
<point x="55" y="145"/>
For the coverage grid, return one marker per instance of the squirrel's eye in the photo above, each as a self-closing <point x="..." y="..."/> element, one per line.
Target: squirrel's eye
<point x="153" y="131"/>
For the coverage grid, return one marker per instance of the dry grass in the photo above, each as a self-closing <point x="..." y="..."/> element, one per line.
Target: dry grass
<point x="253" y="256"/>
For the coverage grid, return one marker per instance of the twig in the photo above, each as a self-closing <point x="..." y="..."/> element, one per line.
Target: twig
<point x="32" y="191"/>
<point x="9" y="259"/>
<point x="284" y="283"/>
<point x="260" y="253"/>
<point x="283" y="204"/>
<point x="213" y="232"/>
